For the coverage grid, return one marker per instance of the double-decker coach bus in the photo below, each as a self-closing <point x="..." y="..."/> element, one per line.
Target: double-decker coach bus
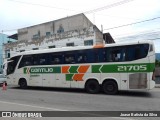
<point x="111" y="67"/>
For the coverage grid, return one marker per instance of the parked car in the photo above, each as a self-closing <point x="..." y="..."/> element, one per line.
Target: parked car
<point x="2" y="80"/>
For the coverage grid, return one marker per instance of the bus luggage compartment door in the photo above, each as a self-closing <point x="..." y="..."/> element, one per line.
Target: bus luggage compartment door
<point x="124" y="81"/>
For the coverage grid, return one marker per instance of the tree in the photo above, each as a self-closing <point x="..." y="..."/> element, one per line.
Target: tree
<point x="157" y="63"/>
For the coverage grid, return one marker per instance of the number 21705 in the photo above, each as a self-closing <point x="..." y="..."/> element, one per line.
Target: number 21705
<point x="132" y="68"/>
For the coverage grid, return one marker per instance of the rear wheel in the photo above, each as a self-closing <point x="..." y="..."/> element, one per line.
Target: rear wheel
<point x="92" y="86"/>
<point x="23" y="84"/>
<point x="110" y="87"/>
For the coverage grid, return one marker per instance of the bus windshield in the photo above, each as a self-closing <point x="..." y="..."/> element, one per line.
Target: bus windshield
<point x="12" y="64"/>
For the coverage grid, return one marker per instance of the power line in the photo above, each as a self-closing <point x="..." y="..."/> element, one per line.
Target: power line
<point x="42" y="5"/>
<point x="111" y="27"/>
<point x="132" y="23"/>
<point x="86" y="12"/>
<point x="150" y="32"/>
<point x="108" y="6"/>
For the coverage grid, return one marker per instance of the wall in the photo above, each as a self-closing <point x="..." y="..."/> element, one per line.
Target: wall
<point x="74" y="29"/>
<point x="76" y="22"/>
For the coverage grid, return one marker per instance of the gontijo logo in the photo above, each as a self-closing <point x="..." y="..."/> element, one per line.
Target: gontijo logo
<point x="72" y="72"/>
<point x="36" y="70"/>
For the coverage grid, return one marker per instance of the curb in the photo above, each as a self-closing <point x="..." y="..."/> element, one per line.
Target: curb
<point x="157" y="86"/>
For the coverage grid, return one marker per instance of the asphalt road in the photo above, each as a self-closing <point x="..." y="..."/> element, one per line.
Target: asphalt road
<point x="53" y="99"/>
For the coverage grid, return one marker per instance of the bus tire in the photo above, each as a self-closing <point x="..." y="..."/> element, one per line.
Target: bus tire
<point x="92" y="86"/>
<point x="110" y="87"/>
<point x="23" y="83"/>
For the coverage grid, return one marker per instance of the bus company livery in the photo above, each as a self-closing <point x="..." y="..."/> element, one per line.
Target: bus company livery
<point x="111" y="67"/>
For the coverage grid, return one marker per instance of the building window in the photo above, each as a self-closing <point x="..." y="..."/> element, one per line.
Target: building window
<point x="7" y="54"/>
<point x="36" y="36"/>
<point x="60" y="30"/>
<point x="53" y="46"/>
<point x="88" y="42"/>
<point x="35" y="48"/>
<point x="70" y="44"/>
<point x="48" y="34"/>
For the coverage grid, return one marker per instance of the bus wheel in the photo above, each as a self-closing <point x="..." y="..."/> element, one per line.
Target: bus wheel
<point x="92" y="86"/>
<point x="23" y="84"/>
<point x="110" y="87"/>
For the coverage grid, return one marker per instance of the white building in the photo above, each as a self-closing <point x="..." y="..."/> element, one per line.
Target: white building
<point x="75" y="30"/>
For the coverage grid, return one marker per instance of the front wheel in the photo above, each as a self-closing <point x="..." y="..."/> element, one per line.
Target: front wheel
<point x="110" y="87"/>
<point x="92" y="87"/>
<point x="23" y="84"/>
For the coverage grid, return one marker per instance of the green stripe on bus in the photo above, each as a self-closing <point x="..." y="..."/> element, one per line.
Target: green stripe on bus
<point x="123" y="68"/>
<point x="69" y="77"/>
<point x="73" y="69"/>
<point x="110" y="68"/>
<point x="25" y="70"/>
<point x="96" y="68"/>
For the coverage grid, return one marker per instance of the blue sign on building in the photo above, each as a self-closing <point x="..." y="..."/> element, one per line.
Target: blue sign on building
<point x="3" y="39"/>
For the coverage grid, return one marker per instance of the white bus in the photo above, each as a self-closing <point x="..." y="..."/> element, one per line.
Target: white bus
<point x="110" y="68"/>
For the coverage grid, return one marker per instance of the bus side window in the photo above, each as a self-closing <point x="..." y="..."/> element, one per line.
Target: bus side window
<point x="27" y="60"/>
<point x="90" y="55"/>
<point x="40" y="59"/>
<point x="56" y="58"/>
<point x="81" y="56"/>
<point x="135" y="52"/>
<point x="43" y="59"/>
<point x="115" y="54"/>
<point x="130" y="53"/>
<point x="145" y="49"/>
<point x="69" y="58"/>
<point x="35" y="60"/>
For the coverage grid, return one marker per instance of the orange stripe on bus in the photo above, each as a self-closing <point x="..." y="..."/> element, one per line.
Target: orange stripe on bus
<point x="99" y="46"/>
<point x="78" y="77"/>
<point x="65" y="69"/>
<point x="83" y="69"/>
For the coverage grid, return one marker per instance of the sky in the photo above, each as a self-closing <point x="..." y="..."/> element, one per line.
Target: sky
<point x="106" y="14"/>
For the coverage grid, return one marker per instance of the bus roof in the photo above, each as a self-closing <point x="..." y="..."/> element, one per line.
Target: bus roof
<point x="78" y="48"/>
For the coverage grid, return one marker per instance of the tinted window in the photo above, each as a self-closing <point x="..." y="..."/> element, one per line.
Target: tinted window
<point x="81" y="56"/>
<point x="69" y="58"/>
<point x="108" y="54"/>
<point x="56" y="58"/>
<point x="43" y="59"/>
<point x="135" y="52"/>
<point x="27" y="60"/>
<point x="115" y="54"/>
<point x="12" y="65"/>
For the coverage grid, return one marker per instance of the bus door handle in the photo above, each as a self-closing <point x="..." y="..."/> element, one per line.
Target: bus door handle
<point x="44" y="79"/>
<point x="57" y="79"/>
